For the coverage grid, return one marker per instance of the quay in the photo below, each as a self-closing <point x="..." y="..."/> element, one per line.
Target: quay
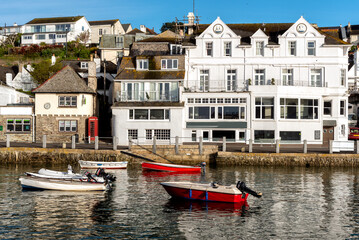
<point x="186" y="154"/>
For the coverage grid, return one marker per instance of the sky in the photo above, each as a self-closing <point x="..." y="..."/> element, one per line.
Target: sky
<point x="152" y="13"/>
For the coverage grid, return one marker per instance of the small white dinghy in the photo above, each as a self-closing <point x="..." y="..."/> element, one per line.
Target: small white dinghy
<point x="35" y="183"/>
<point x="104" y="165"/>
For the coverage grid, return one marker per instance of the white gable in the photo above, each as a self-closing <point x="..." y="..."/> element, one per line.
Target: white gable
<point x="259" y="34"/>
<point x="301" y="28"/>
<point x="218" y="29"/>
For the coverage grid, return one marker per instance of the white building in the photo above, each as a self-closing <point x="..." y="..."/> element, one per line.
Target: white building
<point x="58" y="30"/>
<point x="266" y="82"/>
<point x="23" y="80"/>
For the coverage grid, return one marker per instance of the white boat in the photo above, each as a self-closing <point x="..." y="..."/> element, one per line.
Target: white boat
<point x="104" y="165"/>
<point x="28" y="182"/>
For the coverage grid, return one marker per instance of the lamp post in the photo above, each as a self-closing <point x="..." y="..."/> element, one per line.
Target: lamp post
<point x="66" y="31"/>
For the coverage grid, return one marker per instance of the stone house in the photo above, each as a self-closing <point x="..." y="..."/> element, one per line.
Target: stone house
<point x="62" y="106"/>
<point x="107" y="27"/>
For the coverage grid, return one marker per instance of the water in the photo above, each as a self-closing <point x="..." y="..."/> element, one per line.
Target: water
<point x="306" y="203"/>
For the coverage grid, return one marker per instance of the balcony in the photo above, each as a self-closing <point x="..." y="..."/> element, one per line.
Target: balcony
<point x="147" y="97"/>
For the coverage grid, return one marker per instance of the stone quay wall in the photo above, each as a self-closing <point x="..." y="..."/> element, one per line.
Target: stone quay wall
<point x="287" y="159"/>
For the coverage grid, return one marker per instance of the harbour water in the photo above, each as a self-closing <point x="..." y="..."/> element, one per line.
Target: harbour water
<point x="305" y="203"/>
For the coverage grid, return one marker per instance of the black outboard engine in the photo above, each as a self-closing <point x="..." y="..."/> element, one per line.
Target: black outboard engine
<point x="90" y="178"/>
<point x="100" y="172"/>
<point x="243" y="188"/>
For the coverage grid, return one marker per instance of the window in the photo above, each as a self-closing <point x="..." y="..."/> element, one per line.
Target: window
<point x="292" y="48"/>
<point x="194" y="135"/>
<point x="62" y="27"/>
<point x="199" y="112"/>
<point x="287" y="77"/>
<point x="317" y="134"/>
<point x="231" y="80"/>
<point x="263" y="135"/>
<point x="228" y="49"/>
<point x="260" y="48"/>
<point x="309" y="108"/>
<point x="316" y="77"/>
<point x="204" y="80"/>
<point x="190" y="100"/>
<point x="290" y="136"/>
<point x="142" y="64"/>
<point x="259" y="77"/>
<point x="100" y="31"/>
<point x="169" y="64"/>
<point x="133" y="91"/>
<point x="84" y="65"/>
<point x="69" y="101"/>
<point x="118" y="42"/>
<point x="342" y="129"/>
<point x="161" y="134"/>
<point x="149" y="114"/>
<point x="327" y="108"/>
<point x="264" y="108"/>
<point x="27" y="37"/>
<point x="231" y="112"/>
<point x="343" y="76"/>
<point x="342" y="107"/>
<point x="38" y="28"/>
<point x="83" y="28"/>
<point x="18" y="125"/>
<point x="289" y="108"/>
<point x="40" y="37"/>
<point x="311" y="48"/>
<point x="52" y="36"/>
<point x="175" y="49"/>
<point x="209" y="49"/>
<point x="67" y="126"/>
<point x="132" y="133"/>
<point x="61" y="36"/>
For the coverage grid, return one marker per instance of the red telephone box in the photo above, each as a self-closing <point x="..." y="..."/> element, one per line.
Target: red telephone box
<point x="92" y="128"/>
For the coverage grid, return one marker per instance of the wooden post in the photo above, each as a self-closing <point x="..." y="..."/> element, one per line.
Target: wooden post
<point x="96" y="143"/>
<point x="250" y="146"/>
<point x="7" y="140"/>
<point x="114" y="143"/>
<point x="43" y="141"/>
<point x="305" y="146"/>
<point x="73" y="142"/>
<point x="129" y="143"/>
<point x="176" y="145"/>
<point x="200" y="149"/>
<point x="224" y="144"/>
<point x="277" y="145"/>
<point x="331" y="146"/>
<point x="154" y="144"/>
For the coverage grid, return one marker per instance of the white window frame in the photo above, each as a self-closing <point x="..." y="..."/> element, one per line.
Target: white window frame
<point x="316" y="77"/>
<point x="260" y="48"/>
<point x="287" y="77"/>
<point x="292" y="48"/>
<point x="161" y="134"/>
<point x="133" y="133"/>
<point x="311" y="50"/>
<point x="204" y="80"/>
<point x="165" y="63"/>
<point x="343" y="73"/>
<point x="228" y="49"/>
<point x="100" y="31"/>
<point x="68" y="125"/>
<point x="342" y="107"/>
<point x="142" y="64"/>
<point x="84" y="65"/>
<point x="209" y="49"/>
<point x="259" y="77"/>
<point x="231" y="79"/>
<point x="67" y="101"/>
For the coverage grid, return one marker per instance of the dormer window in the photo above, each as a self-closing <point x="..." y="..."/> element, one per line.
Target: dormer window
<point x="142" y="64"/>
<point x="292" y="48"/>
<point x="175" y="49"/>
<point x="169" y="64"/>
<point x="260" y="48"/>
<point x="228" y="49"/>
<point x="84" y="65"/>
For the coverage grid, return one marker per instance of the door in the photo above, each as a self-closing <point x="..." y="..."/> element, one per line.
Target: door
<point x="328" y="134"/>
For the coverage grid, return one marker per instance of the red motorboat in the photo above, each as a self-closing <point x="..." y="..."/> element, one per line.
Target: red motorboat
<point x="210" y="191"/>
<point x="166" y="167"/>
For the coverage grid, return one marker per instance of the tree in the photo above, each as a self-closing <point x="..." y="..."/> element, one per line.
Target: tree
<point x="84" y="37"/>
<point x="169" y="26"/>
<point x="44" y="70"/>
<point x="13" y="39"/>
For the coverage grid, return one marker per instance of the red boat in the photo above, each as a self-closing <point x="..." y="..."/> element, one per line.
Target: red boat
<point x="210" y="191"/>
<point x="166" y="167"/>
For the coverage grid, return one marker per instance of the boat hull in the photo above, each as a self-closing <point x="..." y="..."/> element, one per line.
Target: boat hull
<point x="204" y="192"/>
<point x="60" y="185"/>
<point x="164" y="167"/>
<point x="104" y="165"/>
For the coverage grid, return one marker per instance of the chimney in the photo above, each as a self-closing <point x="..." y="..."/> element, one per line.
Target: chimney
<point x="143" y="28"/>
<point x="92" y="80"/>
<point x="15" y="24"/>
<point x="191" y="19"/>
<point x="8" y="78"/>
<point x="21" y="66"/>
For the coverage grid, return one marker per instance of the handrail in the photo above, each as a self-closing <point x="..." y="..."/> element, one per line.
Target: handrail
<point x="152" y="152"/>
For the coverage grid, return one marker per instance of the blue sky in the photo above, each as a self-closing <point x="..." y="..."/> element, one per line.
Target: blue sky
<point x="153" y="13"/>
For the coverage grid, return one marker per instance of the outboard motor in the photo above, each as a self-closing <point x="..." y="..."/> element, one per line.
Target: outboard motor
<point x="243" y="188"/>
<point x="69" y="169"/>
<point x="90" y="178"/>
<point x="100" y="172"/>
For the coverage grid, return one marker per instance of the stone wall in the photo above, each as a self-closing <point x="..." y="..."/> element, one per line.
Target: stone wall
<point x="15" y="136"/>
<point x="49" y="126"/>
<point x="287" y="159"/>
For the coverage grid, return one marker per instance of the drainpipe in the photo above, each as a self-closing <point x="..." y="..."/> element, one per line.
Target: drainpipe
<point x="33" y="128"/>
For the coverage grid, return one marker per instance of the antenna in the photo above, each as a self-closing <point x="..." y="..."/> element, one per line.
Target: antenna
<point x="193" y="7"/>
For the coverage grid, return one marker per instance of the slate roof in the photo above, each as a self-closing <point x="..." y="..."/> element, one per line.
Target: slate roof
<point x="64" y="81"/>
<point x="55" y="20"/>
<point x="126" y="26"/>
<point x="3" y="70"/>
<point x="103" y="22"/>
<point x="127" y="70"/>
<point x="272" y="30"/>
<point x="75" y="64"/>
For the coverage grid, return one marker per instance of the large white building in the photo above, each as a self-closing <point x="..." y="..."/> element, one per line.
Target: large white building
<point x="266" y="82"/>
<point x="262" y="82"/>
<point x="58" y="30"/>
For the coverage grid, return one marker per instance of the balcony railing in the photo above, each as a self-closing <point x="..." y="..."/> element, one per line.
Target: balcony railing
<point x="147" y="97"/>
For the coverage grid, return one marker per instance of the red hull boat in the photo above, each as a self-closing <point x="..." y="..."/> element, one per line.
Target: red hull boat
<point x="166" y="167"/>
<point x="209" y="192"/>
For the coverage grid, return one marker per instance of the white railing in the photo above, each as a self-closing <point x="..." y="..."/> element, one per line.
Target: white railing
<point x="148" y="97"/>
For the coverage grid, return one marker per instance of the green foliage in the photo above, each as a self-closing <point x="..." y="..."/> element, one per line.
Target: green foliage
<point x="43" y="70"/>
<point x="169" y="26"/>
